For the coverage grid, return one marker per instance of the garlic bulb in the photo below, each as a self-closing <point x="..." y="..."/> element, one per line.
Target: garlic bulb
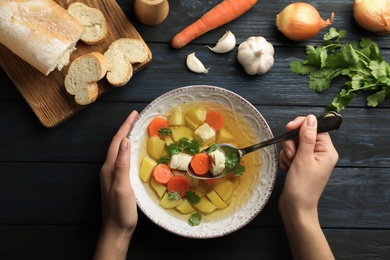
<point x="194" y="64"/>
<point x="225" y="44"/>
<point x="373" y="15"/>
<point x="256" y="54"/>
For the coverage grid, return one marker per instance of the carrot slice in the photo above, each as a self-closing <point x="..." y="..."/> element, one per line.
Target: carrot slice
<point x="162" y="173"/>
<point x="179" y="184"/>
<point x="214" y="119"/>
<point x="156" y="124"/>
<point x="200" y="163"/>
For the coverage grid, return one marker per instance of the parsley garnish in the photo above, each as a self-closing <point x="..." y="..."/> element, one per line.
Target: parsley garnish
<point x="231" y="160"/>
<point x="192" y="197"/>
<point x="173" y="195"/>
<point x="361" y="62"/>
<point x="184" y="145"/>
<point x="239" y="171"/>
<point x="195" y="219"/>
<point x="164" y="159"/>
<point x="164" y="131"/>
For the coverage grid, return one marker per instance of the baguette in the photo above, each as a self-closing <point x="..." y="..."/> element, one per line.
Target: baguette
<point x="93" y="20"/>
<point x="40" y="32"/>
<point x="83" y="74"/>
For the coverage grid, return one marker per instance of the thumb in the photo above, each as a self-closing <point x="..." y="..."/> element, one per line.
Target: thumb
<point x="122" y="162"/>
<point x="308" y="135"/>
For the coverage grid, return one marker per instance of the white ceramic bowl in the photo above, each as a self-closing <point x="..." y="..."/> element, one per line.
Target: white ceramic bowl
<point x="253" y="191"/>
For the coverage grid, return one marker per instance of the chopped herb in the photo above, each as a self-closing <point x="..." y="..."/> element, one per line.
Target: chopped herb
<point x="231" y="160"/>
<point x="184" y="145"/>
<point x="360" y="61"/>
<point x="173" y="149"/>
<point x="212" y="148"/>
<point x="239" y="171"/>
<point x="164" y="159"/>
<point x="164" y="131"/>
<point x="195" y="219"/>
<point x="190" y="147"/>
<point x="192" y="197"/>
<point x="173" y="195"/>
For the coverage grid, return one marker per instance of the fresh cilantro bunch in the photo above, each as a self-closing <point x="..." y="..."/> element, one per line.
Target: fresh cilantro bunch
<point x="361" y="62"/>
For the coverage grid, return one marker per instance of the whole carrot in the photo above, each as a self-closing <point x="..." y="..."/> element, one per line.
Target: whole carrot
<point x="221" y="14"/>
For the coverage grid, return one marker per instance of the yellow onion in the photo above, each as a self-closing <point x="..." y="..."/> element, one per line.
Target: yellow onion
<point x="300" y="21"/>
<point x="373" y="15"/>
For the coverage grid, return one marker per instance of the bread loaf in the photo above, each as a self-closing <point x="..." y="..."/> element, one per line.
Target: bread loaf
<point x="93" y="20"/>
<point x="40" y="32"/>
<point x="83" y="74"/>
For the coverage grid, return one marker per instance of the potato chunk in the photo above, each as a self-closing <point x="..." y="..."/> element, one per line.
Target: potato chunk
<point x="167" y="203"/>
<point x="177" y="117"/>
<point x="225" y="190"/>
<point x="194" y="117"/>
<point x="205" y="206"/>
<point x="216" y="200"/>
<point x="146" y="169"/>
<point x="158" y="187"/>
<point x="181" y="131"/>
<point x="155" y="147"/>
<point x="224" y="136"/>
<point x="185" y="207"/>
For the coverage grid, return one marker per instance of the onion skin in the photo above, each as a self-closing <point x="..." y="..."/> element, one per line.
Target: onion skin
<point x="300" y="21"/>
<point x="373" y="15"/>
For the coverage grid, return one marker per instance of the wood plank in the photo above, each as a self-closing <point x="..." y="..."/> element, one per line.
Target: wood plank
<point x="46" y="95"/>
<point x="78" y="242"/>
<point x="69" y="194"/>
<point x="90" y="133"/>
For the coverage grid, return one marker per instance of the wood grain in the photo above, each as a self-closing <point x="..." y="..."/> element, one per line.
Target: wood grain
<point x="46" y="95"/>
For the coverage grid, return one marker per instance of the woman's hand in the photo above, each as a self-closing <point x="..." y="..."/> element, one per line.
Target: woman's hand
<point x="309" y="162"/>
<point x="119" y="208"/>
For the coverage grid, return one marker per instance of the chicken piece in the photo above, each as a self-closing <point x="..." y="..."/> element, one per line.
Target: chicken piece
<point x="180" y="161"/>
<point x="217" y="159"/>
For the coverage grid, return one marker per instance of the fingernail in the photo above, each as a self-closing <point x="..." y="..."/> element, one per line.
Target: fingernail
<point x="124" y="144"/>
<point x="311" y="121"/>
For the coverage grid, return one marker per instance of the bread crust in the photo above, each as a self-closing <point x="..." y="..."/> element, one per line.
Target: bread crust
<point x="39" y="31"/>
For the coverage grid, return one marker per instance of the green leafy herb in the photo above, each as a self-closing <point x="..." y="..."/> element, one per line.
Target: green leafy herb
<point x="195" y="219"/>
<point x="184" y="145"/>
<point x="231" y="160"/>
<point x="164" y="131"/>
<point x="173" y="195"/>
<point x="164" y="159"/>
<point x="192" y="197"/>
<point x="361" y="62"/>
<point x="239" y="171"/>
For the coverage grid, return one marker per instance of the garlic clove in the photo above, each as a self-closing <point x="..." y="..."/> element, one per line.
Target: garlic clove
<point x="225" y="44"/>
<point x="195" y="65"/>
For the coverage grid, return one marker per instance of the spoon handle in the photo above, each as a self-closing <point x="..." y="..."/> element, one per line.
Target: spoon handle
<point x="327" y="122"/>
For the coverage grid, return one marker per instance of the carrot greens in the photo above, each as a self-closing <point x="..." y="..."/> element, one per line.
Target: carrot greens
<point x="360" y="61"/>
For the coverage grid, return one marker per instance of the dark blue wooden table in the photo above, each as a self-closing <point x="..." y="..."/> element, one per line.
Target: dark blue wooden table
<point x="49" y="177"/>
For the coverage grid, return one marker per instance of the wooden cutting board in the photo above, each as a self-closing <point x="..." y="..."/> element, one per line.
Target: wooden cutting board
<point x="46" y="95"/>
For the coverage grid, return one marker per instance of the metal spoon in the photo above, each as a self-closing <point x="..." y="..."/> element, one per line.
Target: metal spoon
<point x="327" y="122"/>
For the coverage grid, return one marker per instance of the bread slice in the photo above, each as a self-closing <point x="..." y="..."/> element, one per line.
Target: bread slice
<point x="83" y="75"/>
<point x="120" y="57"/>
<point x="40" y="32"/>
<point x="93" y="20"/>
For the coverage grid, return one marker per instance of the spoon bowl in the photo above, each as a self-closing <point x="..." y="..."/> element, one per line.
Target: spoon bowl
<point x="327" y="122"/>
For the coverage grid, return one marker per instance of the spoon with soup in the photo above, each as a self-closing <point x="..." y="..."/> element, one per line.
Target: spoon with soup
<point x="220" y="154"/>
